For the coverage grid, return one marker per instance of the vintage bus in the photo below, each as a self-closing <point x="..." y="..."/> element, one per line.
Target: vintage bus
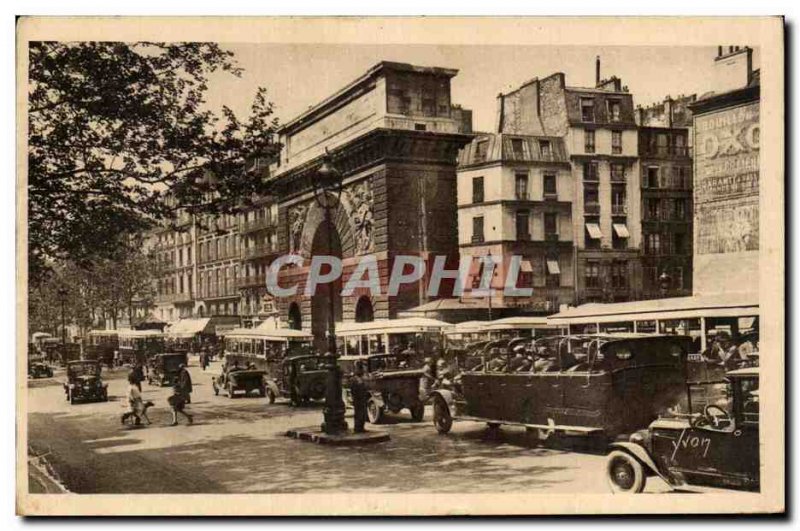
<point x="138" y="346"/>
<point x="101" y="344"/>
<point x="265" y="346"/>
<point x="420" y="335"/>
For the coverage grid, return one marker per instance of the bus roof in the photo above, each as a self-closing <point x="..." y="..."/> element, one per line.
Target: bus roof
<point x="269" y="331"/>
<point x="392" y="326"/>
<point x="520" y="322"/>
<point x="103" y="332"/>
<point x="140" y="333"/>
<point x="696" y="306"/>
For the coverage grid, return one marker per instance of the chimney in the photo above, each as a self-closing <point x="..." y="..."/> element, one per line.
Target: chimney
<point x="668" y="111"/>
<point x="597" y="71"/>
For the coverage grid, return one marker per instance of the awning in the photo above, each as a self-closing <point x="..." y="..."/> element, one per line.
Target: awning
<point x="622" y="230"/>
<point x="594" y="230"/>
<point x="186" y="328"/>
<point x="526" y="267"/>
<point x="552" y="267"/>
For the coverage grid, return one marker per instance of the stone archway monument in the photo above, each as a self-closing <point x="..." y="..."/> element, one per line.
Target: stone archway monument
<point x="394" y="135"/>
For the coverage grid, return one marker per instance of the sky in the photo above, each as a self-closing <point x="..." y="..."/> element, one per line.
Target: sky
<point x="298" y="76"/>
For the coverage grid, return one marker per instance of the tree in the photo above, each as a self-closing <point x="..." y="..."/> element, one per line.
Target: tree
<point x="115" y="128"/>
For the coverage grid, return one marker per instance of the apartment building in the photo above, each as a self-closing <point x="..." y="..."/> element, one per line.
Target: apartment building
<point x="515" y="196"/>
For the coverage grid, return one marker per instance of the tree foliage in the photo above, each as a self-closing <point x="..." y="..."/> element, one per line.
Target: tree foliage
<point x="117" y="128"/>
<point x="93" y="293"/>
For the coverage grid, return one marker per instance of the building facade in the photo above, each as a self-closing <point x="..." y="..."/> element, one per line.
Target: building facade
<point x="665" y="160"/>
<point x="515" y="196"/>
<point x="598" y="129"/>
<point x="726" y="176"/>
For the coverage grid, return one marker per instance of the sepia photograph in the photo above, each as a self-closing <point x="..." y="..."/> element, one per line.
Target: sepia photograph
<point x="455" y="267"/>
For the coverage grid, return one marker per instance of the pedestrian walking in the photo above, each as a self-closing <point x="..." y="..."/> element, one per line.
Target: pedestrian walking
<point x="360" y="396"/>
<point x="185" y="383"/>
<point x="137" y="375"/>
<point x="427" y="379"/>
<point x="135" y="403"/>
<point x="178" y="404"/>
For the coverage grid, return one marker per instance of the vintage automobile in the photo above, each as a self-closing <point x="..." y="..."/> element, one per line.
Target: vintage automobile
<point x="301" y="379"/>
<point x="39" y="370"/>
<point x="84" y="382"/>
<point x="164" y="368"/>
<point x="578" y="385"/>
<point x="716" y="448"/>
<point x="241" y="382"/>
<point x="393" y="385"/>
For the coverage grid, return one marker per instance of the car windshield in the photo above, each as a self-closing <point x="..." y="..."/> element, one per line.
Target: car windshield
<point x="84" y="369"/>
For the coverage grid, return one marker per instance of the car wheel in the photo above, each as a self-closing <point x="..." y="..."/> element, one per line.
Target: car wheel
<point x="625" y="473"/>
<point x="230" y="392"/>
<point x="374" y="412"/>
<point x="442" y="420"/>
<point x="417" y="412"/>
<point x="71" y="398"/>
<point x="271" y="396"/>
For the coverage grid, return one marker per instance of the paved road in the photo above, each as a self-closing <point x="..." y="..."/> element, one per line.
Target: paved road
<point x="237" y="446"/>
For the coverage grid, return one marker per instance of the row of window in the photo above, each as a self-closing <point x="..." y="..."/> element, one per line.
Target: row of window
<point x="593" y="234"/>
<point x="667" y="209"/>
<point x="679" y="178"/>
<point x="591" y="172"/>
<point x="667" y="243"/>
<point x="522" y="224"/>
<point x="589" y="145"/>
<point x="613" y="109"/>
<point x="591" y="199"/>
<point x="618" y="274"/>
<point x="521" y="188"/>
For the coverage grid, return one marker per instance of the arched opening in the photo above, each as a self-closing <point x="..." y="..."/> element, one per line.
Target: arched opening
<point x="295" y="317"/>
<point x="326" y="242"/>
<point x="364" y="312"/>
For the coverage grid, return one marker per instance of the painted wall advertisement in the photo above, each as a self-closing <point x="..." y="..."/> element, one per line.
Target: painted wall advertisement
<point x="726" y="180"/>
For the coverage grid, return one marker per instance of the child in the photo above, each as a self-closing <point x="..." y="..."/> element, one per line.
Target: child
<point x="135" y="403"/>
<point x="178" y="402"/>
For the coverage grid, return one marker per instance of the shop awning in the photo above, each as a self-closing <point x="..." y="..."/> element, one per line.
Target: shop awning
<point x="526" y="267"/>
<point x="622" y="230"/>
<point x="188" y="327"/>
<point x="552" y="267"/>
<point x="594" y="231"/>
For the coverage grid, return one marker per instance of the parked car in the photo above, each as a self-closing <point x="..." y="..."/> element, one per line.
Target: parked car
<point x="301" y="379"/>
<point x="39" y="370"/>
<point x="84" y="382"/>
<point x="717" y="447"/>
<point x="579" y="385"/>
<point x="164" y="368"/>
<point x="241" y="382"/>
<point x="392" y="383"/>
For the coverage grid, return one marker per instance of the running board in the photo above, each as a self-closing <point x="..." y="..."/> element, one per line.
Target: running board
<point x="552" y="427"/>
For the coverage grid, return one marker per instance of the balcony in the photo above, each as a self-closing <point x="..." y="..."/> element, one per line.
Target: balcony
<point x="259" y="251"/>
<point x="220" y="293"/>
<point x="551" y="196"/>
<point x="619" y="210"/>
<point x="591" y="209"/>
<point x="477" y="239"/>
<point x="256" y="224"/>
<point x="551" y="237"/>
<point x="251" y="281"/>
<point x="174" y="297"/>
<point x="668" y="151"/>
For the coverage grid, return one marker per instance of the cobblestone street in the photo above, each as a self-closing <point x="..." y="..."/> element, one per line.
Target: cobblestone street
<point x="238" y="446"/>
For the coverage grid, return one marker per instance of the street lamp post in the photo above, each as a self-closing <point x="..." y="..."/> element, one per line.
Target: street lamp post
<point x="62" y="296"/>
<point x="327" y="189"/>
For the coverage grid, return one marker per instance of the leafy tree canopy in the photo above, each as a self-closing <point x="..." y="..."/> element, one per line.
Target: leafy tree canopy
<point x="120" y="139"/>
